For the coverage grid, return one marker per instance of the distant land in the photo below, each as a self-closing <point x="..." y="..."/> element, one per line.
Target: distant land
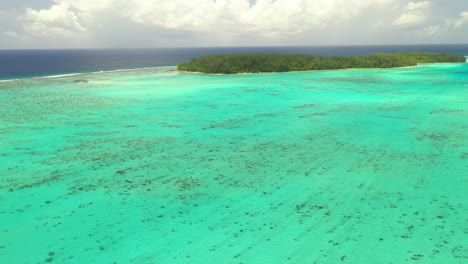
<point x="262" y="62"/>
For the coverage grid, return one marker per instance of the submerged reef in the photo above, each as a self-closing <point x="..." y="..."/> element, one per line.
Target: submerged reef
<point x="255" y="63"/>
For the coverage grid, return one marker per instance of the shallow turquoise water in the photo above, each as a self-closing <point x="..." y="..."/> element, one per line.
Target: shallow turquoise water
<point x="156" y="166"/>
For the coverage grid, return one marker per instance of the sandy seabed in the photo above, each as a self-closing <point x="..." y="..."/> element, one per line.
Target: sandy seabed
<point x="159" y="166"/>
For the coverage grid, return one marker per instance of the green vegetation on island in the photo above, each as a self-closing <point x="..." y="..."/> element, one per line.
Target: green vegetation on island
<point x="254" y="63"/>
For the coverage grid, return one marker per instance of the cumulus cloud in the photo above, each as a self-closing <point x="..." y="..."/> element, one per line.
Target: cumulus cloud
<point x="148" y="23"/>
<point x="59" y="19"/>
<point x="462" y="21"/>
<point x="415" y="15"/>
<point x="265" y="17"/>
<point x="432" y="30"/>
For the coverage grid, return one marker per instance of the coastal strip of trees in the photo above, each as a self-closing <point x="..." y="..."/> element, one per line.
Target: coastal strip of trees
<point x="256" y="63"/>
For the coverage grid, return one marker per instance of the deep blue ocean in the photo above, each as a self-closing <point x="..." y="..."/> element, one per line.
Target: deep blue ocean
<point x="35" y="63"/>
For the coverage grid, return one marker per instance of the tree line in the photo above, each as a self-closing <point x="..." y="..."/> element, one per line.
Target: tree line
<point x="255" y="63"/>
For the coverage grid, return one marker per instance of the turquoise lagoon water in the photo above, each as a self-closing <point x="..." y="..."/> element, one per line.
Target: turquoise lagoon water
<point x="158" y="166"/>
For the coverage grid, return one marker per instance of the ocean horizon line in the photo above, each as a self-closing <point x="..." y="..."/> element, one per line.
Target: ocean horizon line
<point x="240" y="47"/>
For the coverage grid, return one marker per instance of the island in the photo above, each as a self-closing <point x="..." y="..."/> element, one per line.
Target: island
<point x="263" y="62"/>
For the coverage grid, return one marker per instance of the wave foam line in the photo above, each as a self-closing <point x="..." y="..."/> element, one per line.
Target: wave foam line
<point x="57" y="76"/>
<point x="9" y="80"/>
<point x="81" y="73"/>
<point x="135" y="69"/>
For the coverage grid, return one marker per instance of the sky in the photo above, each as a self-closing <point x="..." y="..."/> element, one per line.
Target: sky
<point x="38" y="24"/>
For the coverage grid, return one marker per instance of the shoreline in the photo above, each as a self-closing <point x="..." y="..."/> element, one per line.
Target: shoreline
<point x="347" y="69"/>
<point x="273" y="62"/>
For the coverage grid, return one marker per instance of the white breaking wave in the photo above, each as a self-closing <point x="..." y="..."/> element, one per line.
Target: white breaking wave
<point x="135" y="69"/>
<point x="82" y="73"/>
<point x="10" y="80"/>
<point x="57" y="76"/>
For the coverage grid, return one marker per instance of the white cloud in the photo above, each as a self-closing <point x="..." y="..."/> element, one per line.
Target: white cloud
<point x="59" y="19"/>
<point x="415" y="15"/>
<point x="432" y="30"/>
<point x="265" y="17"/>
<point x="462" y="21"/>
<point x="419" y="5"/>
<point x="446" y="25"/>
<point x="181" y="23"/>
